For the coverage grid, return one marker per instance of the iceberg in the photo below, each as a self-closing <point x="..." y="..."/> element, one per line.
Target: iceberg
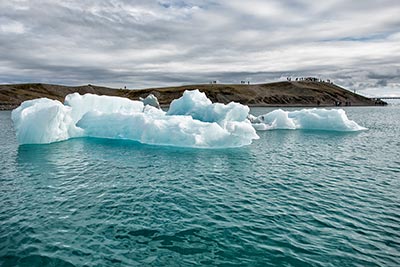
<point x="191" y="121"/>
<point x="306" y="119"/>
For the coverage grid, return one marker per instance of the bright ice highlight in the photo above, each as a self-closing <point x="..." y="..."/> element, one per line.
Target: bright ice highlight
<point x="310" y="119"/>
<point x="191" y="121"/>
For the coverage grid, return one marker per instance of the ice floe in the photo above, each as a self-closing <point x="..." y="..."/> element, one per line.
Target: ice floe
<point x="306" y="119"/>
<point x="191" y="121"/>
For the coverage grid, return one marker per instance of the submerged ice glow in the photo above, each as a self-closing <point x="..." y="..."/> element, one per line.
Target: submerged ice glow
<point x="191" y="121"/>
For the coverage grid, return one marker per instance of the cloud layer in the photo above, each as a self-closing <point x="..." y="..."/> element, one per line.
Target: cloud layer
<point x="146" y="43"/>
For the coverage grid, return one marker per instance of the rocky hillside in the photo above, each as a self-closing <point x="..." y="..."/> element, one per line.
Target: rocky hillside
<point x="303" y="93"/>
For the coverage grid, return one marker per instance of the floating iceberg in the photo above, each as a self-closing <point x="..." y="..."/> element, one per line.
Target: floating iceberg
<point x="309" y="119"/>
<point x="191" y="121"/>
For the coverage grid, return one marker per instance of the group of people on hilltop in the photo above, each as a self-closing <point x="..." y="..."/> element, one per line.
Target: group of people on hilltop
<point x="309" y="79"/>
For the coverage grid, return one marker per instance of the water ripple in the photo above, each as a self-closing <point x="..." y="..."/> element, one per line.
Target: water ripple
<point x="293" y="198"/>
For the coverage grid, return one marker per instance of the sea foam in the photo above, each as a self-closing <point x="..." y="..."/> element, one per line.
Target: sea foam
<point x="191" y="121"/>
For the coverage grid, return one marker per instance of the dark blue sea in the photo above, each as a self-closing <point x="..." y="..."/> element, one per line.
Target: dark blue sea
<point x="292" y="198"/>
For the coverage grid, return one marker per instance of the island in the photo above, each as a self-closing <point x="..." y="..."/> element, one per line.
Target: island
<point x="277" y="94"/>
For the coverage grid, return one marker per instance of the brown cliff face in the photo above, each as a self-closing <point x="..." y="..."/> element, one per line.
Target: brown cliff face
<point x="303" y="93"/>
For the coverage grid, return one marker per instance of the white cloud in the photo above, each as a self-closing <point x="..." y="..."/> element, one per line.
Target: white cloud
<point x="11" y="27"/>
<point x="263" y="9"/>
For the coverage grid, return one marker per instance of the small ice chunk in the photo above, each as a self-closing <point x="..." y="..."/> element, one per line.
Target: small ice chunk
<point x="150" y="100"/>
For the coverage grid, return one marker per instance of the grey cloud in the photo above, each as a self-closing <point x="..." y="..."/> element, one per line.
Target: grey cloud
<point x="157" y="43"/>
<point x="381" y="83"/>
<point x="387" y="74"/>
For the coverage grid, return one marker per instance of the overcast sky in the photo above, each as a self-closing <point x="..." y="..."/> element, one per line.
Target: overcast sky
<point x="143" y="43"/>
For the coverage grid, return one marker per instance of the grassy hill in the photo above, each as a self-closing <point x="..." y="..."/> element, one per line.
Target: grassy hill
<point x="303" y="93"/>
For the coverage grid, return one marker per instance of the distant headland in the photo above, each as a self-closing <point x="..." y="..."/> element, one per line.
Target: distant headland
<point x="300" y="93"/>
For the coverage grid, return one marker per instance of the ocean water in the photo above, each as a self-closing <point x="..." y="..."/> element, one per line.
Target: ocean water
<point x="292" y="198"/>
